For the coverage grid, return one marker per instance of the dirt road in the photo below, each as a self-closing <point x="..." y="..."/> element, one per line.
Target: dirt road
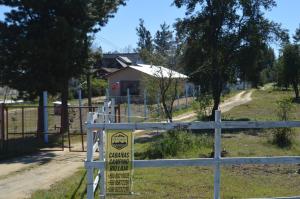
<point x="20" y="177"/>
<point x="237" y="100"/>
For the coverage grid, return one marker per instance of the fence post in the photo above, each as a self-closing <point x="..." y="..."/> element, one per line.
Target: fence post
<point x="145" y="104"/>
<point x="128" y="105"/>
<point x="199" y="91"/>
<point x="101" y="147"/>
<point x="112" y="110"/>
<point x="23" y="123"/>
<point x="80" y="117"/>
<point x="89" y="158"/>
<point x="178" y="105"/>
<point x="107" y="94"/>
<point x="158" y="105"/>
<point x="106" y="112"/>
<point x="1" y="126"/>
<point x="186" y="95"/>
<point x="194" y="91"/>
<point x="45" y="96"/>
<point x="217" y="155"/>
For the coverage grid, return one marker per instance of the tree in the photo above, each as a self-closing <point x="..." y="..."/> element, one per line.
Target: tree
<point x="165" y="84"/>
<point x="145" y="45"/>
<point x="297" y="36"/>
<point x="291" y="66"/>
<point x="253" y="60"/>
<point x="163" y="41"/>
<point x="281" y="77"/>
<point x="94" y="56"/>
<point x="45" y="43"/>
<point x="288" y="65"/>
<point x="161" y="54"/>
<point x="214" y="32"/>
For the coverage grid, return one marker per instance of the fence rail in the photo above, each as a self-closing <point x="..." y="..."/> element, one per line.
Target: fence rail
<point x="195" y="125"/>
<point x="217" y="161"/>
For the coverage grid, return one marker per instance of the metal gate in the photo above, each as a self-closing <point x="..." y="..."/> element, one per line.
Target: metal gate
<point x="20" y="132"/>
<point x="76" y="140"/>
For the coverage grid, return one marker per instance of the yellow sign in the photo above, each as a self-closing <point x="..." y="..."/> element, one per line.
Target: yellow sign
<point x="119" y="156"/>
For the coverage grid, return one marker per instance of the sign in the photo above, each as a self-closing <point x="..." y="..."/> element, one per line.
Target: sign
<point x="119" y="157"/>
<point x="115" y="85"/>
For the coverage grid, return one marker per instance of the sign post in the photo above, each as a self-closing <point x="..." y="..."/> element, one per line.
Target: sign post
<point x="119" y="163"/>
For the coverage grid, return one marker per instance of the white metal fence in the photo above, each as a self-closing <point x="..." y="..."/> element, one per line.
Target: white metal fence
<point x="96" y="139"/>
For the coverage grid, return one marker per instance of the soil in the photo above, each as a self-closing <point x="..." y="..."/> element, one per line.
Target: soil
<point x="20" y="177"/>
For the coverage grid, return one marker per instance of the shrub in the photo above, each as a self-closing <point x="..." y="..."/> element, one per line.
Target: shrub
<point x="203" y="106"/>
<point x="176" y="143"/>
<point x="282" y="137"/>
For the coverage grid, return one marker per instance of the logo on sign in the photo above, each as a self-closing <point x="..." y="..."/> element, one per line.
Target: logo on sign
<point x="119" y="141"/>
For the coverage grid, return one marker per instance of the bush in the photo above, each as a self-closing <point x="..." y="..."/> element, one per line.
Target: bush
<point x="178" y="143"/>
<point x="282" y="137"/>
<point x="203" y="106"/>
<point x="98" y="89"/>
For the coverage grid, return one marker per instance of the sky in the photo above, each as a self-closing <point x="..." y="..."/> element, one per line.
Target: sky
<point x="120" y="33"/>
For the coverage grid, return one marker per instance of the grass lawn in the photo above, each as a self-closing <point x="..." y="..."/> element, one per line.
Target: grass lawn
<point x="263" y="106"/>
<point x="197" y="182"/>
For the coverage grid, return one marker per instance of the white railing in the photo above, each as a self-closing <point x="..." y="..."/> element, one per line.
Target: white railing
<point x="217" y="161"/>
<point x="96" y="141"/>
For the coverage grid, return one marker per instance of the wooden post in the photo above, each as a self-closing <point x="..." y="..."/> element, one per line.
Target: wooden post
<point x="217" y="155"/>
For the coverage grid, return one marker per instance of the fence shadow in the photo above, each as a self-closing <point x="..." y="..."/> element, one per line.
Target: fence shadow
<point x="39" y="158"/>
<point x="78" y="187"/>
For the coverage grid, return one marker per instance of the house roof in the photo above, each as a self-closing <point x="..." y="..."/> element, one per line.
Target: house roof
<point x="154" y="71"/>
<point x="109" y="70"/>
<point x="125" y="60"/>
<point x="119" y="60"/>
<point x="158" y="71"/>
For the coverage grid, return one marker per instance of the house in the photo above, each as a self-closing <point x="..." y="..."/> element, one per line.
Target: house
<point x="112" y="62"/>
<point x="132" y="77"/>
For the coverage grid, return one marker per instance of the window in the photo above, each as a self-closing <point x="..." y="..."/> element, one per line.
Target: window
<point x="132" y="85"/>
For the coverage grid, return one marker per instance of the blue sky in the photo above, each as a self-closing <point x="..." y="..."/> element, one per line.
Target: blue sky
<point x="120" y="31"/>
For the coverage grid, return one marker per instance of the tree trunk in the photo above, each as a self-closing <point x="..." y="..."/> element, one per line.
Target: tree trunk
<point x="40" y="121"/>
<point x="296" y="90"/>
<point x="217" y="99"/>
<point x="64" y="108"/>
<point x="217" y="89"/>
<point x="89" y="88"/>
<point x="167" y="111"/>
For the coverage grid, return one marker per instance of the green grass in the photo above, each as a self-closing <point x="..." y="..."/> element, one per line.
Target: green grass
<point x="197" y="182"/>
<point x="263" y="106"/>
<point x="192" y="182"/>
<point x="72" y="187"/>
